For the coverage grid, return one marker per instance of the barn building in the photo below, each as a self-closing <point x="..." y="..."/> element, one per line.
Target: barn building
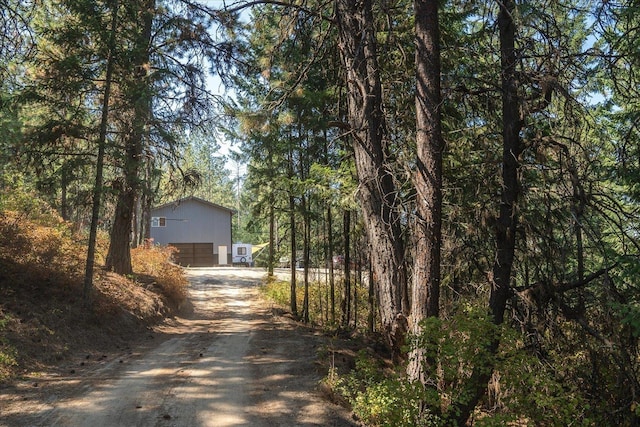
<point x="201" y="231"/>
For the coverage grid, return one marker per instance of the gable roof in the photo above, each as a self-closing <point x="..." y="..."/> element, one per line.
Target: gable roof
<point x="176" y="203"/>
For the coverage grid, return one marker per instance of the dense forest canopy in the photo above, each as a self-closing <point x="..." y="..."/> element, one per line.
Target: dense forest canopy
<point x="476" y="161"/>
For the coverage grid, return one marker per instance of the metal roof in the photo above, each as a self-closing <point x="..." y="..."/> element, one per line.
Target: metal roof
<point x="176" y="203"/>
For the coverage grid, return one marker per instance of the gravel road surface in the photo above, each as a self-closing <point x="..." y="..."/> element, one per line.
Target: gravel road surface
<point x="229" y="362"/>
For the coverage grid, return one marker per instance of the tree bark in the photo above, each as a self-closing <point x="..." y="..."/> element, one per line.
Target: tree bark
<point x="345" y="305"/>
<point x="272" y="235"/>
<point x="376" y="191"/>
<point x="371" y="296"/>
<point x="507" y="221"/>
<point x="427" y="179"/>
<point x="119" y="255"/>
<point x="306" y="249"/>
<point x="102" y="141"/>
<point x="512" y="147"/>
<point x="292" y="259"/>
<point x="147" y="204"/>
<point x="293" y="252"/>
<point x="272" y="221"/>
<point x="332" y="286"/>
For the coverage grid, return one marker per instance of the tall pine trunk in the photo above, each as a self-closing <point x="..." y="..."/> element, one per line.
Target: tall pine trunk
<point x="306" y="249"/>
<point x="512" y="148"/>
<point x="332" y="282"/>
<point x="376" y="191"/>
<point x="293" y="252"/>
<point x="507" y="221"/>
<point x="427" y="179"/>
<point x="272" y="221"/>
<point x="345" y="305"/>
<point x="102" y="141"/>
<point x="139" y="97"/>
<point x="272" y="235"/>
<point x="147" y="204"/>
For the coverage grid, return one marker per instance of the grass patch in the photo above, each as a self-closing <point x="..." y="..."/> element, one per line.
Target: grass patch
<point x="320" y="310"/>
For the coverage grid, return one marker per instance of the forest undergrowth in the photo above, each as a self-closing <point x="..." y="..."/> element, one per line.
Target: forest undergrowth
<point x="44" y="318"/>
<point x="523" y="391"/>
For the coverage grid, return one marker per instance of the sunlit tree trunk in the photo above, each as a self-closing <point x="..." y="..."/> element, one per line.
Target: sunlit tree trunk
<point x="272" y="236"/>
<point x="306" y="248"/>
<point x="376" y="191"/>
<point x="427" y="179"/>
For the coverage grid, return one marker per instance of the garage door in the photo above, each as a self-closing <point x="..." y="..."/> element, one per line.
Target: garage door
<point x="194" y="254"/>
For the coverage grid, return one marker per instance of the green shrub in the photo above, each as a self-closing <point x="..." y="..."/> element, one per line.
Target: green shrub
<point x="533" y="389"/>
<point x="523" y="390"/>
<point x="278" y="291"/>
<point x="385" y="401"/>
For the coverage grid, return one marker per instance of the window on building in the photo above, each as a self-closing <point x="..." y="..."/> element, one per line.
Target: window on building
<point x="242" y="250"/>
<point x="158" y="221"/>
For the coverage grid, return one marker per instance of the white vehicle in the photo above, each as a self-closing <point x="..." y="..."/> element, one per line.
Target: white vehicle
<point x="241" y="253"/>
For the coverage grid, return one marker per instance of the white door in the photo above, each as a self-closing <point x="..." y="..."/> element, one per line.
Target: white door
<point x="222" y="255"/>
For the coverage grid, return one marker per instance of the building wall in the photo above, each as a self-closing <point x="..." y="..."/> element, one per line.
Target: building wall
<point x="192" y="221"/>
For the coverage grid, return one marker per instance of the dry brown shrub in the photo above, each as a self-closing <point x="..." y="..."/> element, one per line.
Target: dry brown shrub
<point x="115" y="294"/>
<point x="157" y="262"/>
<point x="43" y="316"/>
<point x="44" y="246"/>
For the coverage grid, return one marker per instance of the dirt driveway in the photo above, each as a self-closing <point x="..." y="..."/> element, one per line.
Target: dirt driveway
<point x="228" y="363"/>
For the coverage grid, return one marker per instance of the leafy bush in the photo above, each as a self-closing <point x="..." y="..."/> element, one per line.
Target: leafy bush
<point x="385" y="401"/>
<point x="29" y="206"/>
<point x="522" y="390"/>
<point x="527" y="388"/>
